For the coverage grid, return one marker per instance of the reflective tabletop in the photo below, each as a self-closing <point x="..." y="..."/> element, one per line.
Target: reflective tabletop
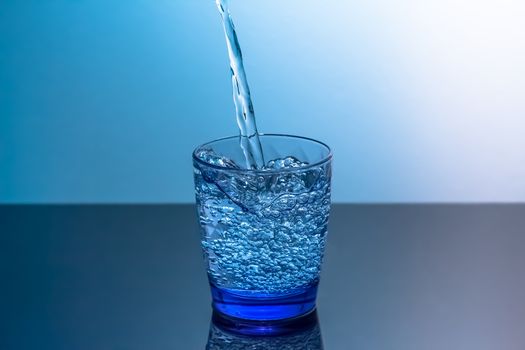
<point x="132" y="277"/>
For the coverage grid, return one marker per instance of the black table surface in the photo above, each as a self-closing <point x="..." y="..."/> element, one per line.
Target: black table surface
<point x="132" y="277"/>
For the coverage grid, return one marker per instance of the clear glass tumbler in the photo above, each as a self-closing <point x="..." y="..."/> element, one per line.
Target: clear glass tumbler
<point x="263" y="230"/>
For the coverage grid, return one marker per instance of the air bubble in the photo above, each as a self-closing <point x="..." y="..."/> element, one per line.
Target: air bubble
<point x="264" y="233"/>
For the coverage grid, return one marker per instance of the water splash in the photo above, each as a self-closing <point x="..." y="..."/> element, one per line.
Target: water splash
<point x="263" y="234"/>
<point x="245" y="114"/>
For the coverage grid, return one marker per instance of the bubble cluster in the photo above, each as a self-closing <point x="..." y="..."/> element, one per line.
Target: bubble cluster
<point x="213" y="158"/>
<point x="264" y="232"/>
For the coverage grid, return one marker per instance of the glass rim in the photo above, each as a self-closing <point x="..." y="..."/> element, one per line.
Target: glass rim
<point x="324" y="160"/>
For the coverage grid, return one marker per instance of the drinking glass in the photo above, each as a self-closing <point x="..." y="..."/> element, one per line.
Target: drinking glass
<point x="263" y="231"/>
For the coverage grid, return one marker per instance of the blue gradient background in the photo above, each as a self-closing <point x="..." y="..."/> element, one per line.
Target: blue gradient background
<point x="103" y="101"/>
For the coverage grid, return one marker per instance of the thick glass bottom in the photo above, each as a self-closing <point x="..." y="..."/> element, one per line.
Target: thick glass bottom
<point x="307" y="323"/>
<point x="263" y="307"/>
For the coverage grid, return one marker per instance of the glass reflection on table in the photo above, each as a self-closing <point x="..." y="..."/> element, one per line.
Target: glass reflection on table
<point x="303" y="335"/>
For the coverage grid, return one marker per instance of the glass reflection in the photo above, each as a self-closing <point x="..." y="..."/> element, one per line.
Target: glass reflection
<point x="304" y="336"/>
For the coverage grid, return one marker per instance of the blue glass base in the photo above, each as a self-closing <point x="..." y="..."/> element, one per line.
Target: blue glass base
<point x="286" y="327"/>
<point x="263" y="307"/>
